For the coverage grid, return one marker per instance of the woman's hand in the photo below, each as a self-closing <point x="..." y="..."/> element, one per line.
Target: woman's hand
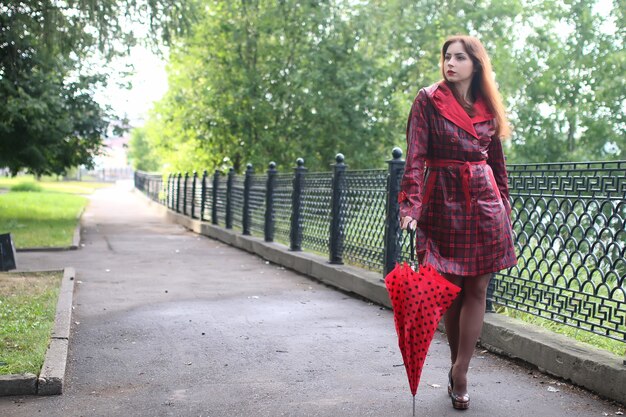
<point x="409" y="222"/>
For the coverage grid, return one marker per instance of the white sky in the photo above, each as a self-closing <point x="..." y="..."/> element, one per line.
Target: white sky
<point x="149" y="84"/>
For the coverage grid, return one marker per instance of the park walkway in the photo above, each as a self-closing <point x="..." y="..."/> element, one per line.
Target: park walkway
<point x="169" y="323"/>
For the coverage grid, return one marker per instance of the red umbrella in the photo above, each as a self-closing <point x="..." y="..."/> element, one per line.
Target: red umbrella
<point x="419" y="300"/>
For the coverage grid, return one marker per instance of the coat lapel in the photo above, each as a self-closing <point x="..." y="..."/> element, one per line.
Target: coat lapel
<point x="445" y="103"/>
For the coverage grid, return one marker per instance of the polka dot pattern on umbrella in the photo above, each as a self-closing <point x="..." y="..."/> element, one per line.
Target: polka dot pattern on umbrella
<point x="419" y="300"/>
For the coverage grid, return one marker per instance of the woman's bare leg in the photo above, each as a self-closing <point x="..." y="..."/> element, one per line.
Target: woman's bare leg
<point x="470" y="324"/>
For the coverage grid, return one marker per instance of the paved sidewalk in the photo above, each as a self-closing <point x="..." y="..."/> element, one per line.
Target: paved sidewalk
<point x="168" y="323"/>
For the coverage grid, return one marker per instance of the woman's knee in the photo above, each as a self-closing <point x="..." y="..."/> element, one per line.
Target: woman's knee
<point x="476" y="287"/>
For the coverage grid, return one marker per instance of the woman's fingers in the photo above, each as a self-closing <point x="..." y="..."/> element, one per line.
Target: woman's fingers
<point x="408" y="222"/>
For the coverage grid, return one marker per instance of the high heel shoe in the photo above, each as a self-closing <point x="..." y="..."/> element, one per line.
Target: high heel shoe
<point x="459" y="402"/>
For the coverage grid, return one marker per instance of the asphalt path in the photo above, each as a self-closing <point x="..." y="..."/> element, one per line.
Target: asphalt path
<point x="169" y="323"/>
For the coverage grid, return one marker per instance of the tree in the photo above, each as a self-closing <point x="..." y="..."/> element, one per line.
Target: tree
<point x="570" y="106"/>
<point x="263" y="80"/>
<point x="140" y="154"/>
<point x="260" y="80"/>
<point x="49" y="120"/>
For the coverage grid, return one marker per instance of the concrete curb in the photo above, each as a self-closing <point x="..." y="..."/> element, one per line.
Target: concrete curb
<point x="558" y="355"/>
<point x="75" y="241"/>
<point x="52" y="375"/>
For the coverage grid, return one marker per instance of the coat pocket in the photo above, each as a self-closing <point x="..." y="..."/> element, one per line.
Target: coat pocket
<point x="430" y="185"/>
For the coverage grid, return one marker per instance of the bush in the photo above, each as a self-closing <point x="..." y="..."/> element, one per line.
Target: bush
<point x="27" y="186"/>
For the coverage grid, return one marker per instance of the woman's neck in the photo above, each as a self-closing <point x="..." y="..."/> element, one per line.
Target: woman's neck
<point x="463" y="91"/>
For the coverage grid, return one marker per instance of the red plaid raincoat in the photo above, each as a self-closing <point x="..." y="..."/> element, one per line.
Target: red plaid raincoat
<point x="455" y="185"/>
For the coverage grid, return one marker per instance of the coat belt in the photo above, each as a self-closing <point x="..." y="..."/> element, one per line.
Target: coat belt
<point x="465" y="169"/>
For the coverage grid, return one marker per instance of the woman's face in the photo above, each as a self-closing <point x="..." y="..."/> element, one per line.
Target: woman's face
<point x="457" y="64"/>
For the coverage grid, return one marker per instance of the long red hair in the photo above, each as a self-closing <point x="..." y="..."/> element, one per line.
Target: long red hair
<point x="483" y="83"/>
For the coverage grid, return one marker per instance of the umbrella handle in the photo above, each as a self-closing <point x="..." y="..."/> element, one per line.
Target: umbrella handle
<point x="412" y="244"/>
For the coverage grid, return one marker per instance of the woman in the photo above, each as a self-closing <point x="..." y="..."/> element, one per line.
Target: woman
<point x="454" y="192"/>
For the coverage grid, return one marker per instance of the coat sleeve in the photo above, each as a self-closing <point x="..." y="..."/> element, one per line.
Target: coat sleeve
<point x="497" y="163"/>
<point x="417" y="138"/>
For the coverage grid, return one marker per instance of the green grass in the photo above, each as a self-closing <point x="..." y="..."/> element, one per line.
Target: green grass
<point x="27" y="309"/>
<point x="52" y="185"/>
<point x="43" y="219"/>
<point x="27" y="186"/>
<point x="602" y="342"/>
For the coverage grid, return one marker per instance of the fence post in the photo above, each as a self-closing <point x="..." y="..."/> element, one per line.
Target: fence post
<point x="229" y="198"/>
<point x="336" y="217"/>
<point x="269" y="203"/>
<point x="295" y="234"/>
<point x="392" y="223"/>
<point x="203" y="195"/>
<point x="247" y="182"/>
<point x="186" y="177"/>
<point x="193" y="194"/>
<point x="178" y="192"/>
<point x="216" y="184"/>
<point x="168" y="191"/>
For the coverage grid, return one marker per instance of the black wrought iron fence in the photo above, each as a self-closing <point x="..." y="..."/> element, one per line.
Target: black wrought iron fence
<point x="283" y="189"/>
<point x="569" y="222"/>
<point x="570" y="238"/>
<point x="237" y="202"/>
<point x="152" y="185"/>
<point x="258" y="187"/>
<point x="364" y="217"/>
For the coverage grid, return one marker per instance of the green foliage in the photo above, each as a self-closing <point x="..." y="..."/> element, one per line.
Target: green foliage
<point x="570" y="103"/>
<point x="49" y="120"/>
<point x="140" y="154"/>
<point x="52" y="184"/>
<point x="261" y="80"/>
<point x="266" y="80"/>
<point x="27" y="187"/>
<point x="40" y="219"/>
<point x="27" y="309"/>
